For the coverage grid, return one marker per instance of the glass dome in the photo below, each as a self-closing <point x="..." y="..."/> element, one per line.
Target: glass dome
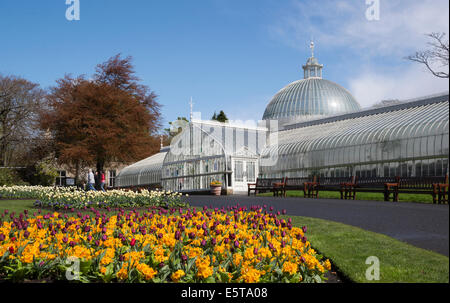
<point x="310" y="98"/>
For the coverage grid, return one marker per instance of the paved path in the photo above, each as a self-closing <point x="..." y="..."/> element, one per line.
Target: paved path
<point x="422" y="225"/>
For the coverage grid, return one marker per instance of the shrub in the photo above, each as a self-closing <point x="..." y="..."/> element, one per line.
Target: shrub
<point x="10" y="177"/>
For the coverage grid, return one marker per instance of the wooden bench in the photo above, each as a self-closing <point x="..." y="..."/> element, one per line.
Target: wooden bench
<point x="312" y="185"/>
<point x="435" y="186"/>
<point x="442" y="190"/>
<point x="297" y="183"/>
<point x="265" y="185"/>
<point x="384" y="185"/>
<point x="341" y="184"/>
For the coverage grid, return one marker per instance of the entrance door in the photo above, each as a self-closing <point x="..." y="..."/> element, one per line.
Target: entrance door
<point x="244" y="171"/>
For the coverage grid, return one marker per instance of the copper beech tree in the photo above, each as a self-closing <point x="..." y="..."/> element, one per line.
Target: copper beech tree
<point x="108" y="118"/>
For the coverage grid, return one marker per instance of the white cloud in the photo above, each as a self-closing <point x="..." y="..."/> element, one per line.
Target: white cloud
<point x="401" y="27"/>
<point x="411" y="82"/>
<point x="341" y="26"/>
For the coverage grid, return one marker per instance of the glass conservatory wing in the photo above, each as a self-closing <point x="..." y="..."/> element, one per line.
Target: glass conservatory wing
<point x="133" y="175"/>
<point x="386" y="134"/>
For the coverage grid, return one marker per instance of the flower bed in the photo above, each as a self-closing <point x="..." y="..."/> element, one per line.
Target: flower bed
<point x="71" y="197"/>
<point x="158" y="245"/>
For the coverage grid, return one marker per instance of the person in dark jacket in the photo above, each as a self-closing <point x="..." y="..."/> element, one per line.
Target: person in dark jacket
<point x="97" y="180"/>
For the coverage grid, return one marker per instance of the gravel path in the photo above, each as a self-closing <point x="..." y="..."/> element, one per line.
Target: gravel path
<point x="422" y="225"/>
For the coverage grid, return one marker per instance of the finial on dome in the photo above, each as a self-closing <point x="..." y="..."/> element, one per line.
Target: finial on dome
<point x="312" y="68"/>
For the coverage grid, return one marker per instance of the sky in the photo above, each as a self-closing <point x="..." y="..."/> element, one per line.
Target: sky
<point x="230" y="55"/>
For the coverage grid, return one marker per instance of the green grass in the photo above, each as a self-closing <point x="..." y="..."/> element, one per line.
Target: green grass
<point x="419" y="198"/>
<point x="348" y="248"/>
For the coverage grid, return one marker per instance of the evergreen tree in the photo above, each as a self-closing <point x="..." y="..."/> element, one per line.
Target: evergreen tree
<point x="221" y="117"/>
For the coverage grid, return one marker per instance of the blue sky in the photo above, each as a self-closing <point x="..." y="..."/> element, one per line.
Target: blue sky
<point x="227" y="54"/>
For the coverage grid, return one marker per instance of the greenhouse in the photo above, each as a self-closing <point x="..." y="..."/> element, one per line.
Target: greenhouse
<point x="409" y="139"/>
<point x="208" y="151"/>
<point x="311" y="127"/>
<point x="145" y="173"/>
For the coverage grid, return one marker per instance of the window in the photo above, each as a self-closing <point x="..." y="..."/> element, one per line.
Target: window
<point x="112" y="178"/>
<point x="238" y="171"/>
<point x="61" y="179"/>
<point x="250" y="171"/>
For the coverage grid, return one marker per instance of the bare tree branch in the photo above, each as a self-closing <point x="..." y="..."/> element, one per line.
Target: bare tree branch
<point x="436" y="58"/>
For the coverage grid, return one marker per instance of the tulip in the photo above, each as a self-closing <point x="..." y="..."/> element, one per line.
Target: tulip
<point x="236" y="243"/>
<point x="133" y="242"/>
<point x="304" y="228"/>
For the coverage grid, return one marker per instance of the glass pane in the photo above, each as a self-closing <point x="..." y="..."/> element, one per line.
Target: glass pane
<point x="250" y="171"/>
<point x="238" y="171"/>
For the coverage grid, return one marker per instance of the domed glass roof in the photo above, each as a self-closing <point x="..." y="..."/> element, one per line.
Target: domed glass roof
<point x="310" y="98"/>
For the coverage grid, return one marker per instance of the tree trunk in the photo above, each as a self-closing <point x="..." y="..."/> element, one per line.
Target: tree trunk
<point x="100" y="165"/>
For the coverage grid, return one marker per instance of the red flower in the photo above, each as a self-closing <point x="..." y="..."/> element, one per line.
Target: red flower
<point x="133" y="242"/>
<point x="11" y="249"/>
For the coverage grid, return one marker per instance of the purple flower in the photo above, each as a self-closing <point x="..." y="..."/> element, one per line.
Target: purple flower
<point x="304" y="228"/>
<point x="236" y="243"/>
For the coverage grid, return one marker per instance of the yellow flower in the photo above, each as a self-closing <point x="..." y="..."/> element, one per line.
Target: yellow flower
<point x="251" y="275"/>
<point x="203" y="269"/>
<point x="237" y="258"/>
<point x="176" y="276"/>
<point x="327" y="265"/>
<point x="146" y="270"/>
<point x="290" y="267"/>
<point x="123" y="272"/>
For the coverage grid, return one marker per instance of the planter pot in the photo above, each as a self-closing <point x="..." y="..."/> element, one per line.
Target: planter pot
<point x="216" y="190"/>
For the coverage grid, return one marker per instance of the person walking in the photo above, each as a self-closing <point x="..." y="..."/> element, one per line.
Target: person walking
<point x="91" y="180"/>
<point x="102" y="180"/>
<point x="97" y="180"/>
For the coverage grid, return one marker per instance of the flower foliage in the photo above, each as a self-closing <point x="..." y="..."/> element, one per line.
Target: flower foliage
<point x="71" y="197"/>
<point x="159" y="245"/>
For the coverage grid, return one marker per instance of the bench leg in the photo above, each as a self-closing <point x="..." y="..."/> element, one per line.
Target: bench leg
<point x="386" y="194"/>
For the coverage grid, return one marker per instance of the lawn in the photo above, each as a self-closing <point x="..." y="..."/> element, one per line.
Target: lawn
<point x="348" y="247"/>
<point x="419" y="198"/>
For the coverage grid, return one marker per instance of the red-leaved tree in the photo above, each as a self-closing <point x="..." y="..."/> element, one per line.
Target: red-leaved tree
<point x="109" y="118"/>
